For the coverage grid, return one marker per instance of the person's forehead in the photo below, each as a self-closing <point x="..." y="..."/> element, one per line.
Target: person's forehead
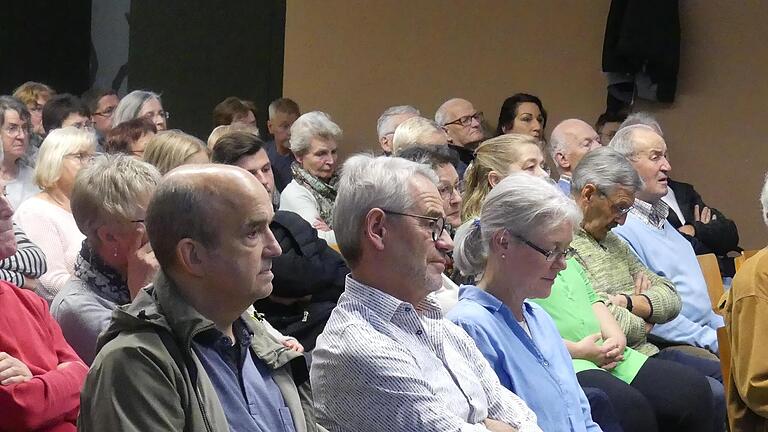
<point x="446" y="173"/>
<point x="11" y="116"/>
<point x="622" y="193"/>
<point x="108" y="99"/>
<point x="528" y="108"/>
<point x="461" y="108"/>
<point x="427" y="200"/>
<point x="647" y="141"/>
<point x="281" y="116"/>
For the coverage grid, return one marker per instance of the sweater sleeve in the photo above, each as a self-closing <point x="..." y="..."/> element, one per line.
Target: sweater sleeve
<point x="298" y="199"/>
<point x="29" y="260"/>
<point x="665" y="301"/>
<point x="720" y="234"/>
<point x="749" y="369"/>
<point x="49" y="398"/>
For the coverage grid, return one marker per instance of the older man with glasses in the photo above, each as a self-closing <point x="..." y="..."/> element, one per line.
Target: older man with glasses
<point x="464" y="126"/>
<point x="387" y="360"/>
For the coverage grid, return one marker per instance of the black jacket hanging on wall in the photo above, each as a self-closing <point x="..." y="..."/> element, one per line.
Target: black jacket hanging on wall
<point x="642" y="43"/>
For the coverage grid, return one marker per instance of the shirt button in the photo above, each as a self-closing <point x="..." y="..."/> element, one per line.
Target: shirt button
<point x="419" y="332"/>
<point x="407" y="309"/>
<point x="546" y="363"/>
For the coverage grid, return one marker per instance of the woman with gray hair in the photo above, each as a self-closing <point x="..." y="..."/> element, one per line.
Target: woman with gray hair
<point x="312" y="193"/>
<point x="109" y="200"/>
<point x="141" y="103"/>
<point x="520" y="245"/>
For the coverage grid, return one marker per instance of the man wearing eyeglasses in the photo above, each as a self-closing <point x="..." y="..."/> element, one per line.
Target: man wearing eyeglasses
<point x="101" y="103"/>
<point x="464" y="126"/>
<point x="387" y="360"/>
<point x="647" y="302"/>
<point x="660" y="246"/>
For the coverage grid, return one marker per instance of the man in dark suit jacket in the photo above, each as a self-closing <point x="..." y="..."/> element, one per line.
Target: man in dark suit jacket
<point x="708" y="230"/>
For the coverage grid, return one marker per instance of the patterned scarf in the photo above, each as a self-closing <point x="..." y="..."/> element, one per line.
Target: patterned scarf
<point x="100" y="277"/>
<point x="324" y="193"/>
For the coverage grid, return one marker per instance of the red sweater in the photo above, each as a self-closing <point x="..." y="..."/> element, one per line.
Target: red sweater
<point x="50" y="401"/>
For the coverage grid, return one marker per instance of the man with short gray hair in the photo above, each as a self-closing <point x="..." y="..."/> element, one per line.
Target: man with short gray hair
<point x="388" y="122"/>
<point x="570" y="140"/>
<point x="282" y="113"/>
<point x="418" y="131"/>
<point x="387" y="360"/>
<point x="660" y="246"/>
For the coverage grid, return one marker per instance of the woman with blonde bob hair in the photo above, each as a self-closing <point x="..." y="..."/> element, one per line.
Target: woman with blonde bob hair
<point x="170" y="149"/>
<point x="495" y="159"/>
<point x="47" y="216"/>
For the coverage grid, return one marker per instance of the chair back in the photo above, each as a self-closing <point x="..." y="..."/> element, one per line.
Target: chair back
<point x="711" y="271"/>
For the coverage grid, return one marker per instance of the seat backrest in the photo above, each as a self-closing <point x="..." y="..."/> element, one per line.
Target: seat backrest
<point x="711" y="271"/>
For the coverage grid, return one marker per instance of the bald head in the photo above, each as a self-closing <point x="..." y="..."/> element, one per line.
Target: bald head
<point x="570" y="140"/>
<point x="467" y="133"/>
<point x="191" y="201"/>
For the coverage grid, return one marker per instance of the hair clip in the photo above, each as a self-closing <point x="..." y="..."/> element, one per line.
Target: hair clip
<point x="476" y="223"/>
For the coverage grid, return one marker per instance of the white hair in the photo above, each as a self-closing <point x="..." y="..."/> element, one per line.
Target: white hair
<point x="369" y="182"/>
<point x="642" y="118"/>
<point x="764" y="199"/>
<point x="384" y="123"/>
<point x="315" y="124"/>
<point x="522" y="204"/>
<point x="605" y="168"/>
<point x="441" y="115"/>
<point x="414" y="131"/>
<point x="624" y="140"/>
<point x="55" y="147"/>
<point x="130" y="105"/>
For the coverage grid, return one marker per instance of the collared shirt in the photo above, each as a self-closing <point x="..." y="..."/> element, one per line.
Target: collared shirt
<point x="671" y="201"/>
<point x="249" y="396"/>
<point x="382" y="364"/>
<point x="651" y="214"/>
<point x="565" y="184"/>
<point x="528" y="356"/>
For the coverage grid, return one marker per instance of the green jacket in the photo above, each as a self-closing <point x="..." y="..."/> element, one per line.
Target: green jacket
<point x="142" y="381"/>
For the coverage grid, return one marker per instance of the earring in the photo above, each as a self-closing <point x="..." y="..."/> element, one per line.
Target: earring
<point x="503" y="256"/>
<point x="114" y="252"/>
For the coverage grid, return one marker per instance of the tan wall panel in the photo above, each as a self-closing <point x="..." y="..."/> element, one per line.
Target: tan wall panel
<point x="355" y="58"/>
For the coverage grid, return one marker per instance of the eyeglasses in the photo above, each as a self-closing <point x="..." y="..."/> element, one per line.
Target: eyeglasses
<point x="621" y="211"/>
<point x="447" y="190"/>
<point x="83" y="157"/>
<point x="467" y="119"/>
<point x="437" y="224"/>
<point x="137" y="221"/>
<point x="83" y="124"/>
<point x="551" y="255"/>
<point x="107" y="113"/>
<point x="151" y="115"/>
<point x="15" y="130"/>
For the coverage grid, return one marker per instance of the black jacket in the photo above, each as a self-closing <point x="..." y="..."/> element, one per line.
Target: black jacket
<point x="309" y="274"/>
<point x="719" y="236"/>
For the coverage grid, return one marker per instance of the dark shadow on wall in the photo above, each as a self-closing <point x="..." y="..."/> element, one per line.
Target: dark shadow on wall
<point x="45" y="41"/>
<point x="196" y="53"/>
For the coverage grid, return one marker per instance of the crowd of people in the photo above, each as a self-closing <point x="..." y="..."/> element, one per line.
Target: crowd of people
<point x="458" y="281"/>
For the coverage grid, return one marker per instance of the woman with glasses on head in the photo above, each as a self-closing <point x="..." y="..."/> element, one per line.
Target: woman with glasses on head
<point x="495" y="159"/>
<point x="140" y="103"/>
<point x="115" y="261"/>
<point x="17" y="174"/>
<point x="312" y="192"/>
<point x="47" y="217"/>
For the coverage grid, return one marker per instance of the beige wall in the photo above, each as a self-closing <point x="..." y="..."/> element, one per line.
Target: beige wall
<point x="355" y="58"/>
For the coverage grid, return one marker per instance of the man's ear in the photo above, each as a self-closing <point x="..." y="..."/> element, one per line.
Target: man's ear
<point x="494" y="178"/>
<point x="191" y="256"/>
<point x="375" y="229"/>
<point x="386" y="144"/>
<point x="587" y="192"/>
<point x="269" y="126"/>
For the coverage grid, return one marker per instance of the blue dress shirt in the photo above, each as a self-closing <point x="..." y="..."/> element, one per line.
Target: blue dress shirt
<point x="537" y="368"/>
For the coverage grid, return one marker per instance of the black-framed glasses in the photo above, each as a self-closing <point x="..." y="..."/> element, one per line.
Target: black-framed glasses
<point x="107" y="113"/>
<point x="447" y="190"/>
<point x="136" y="221"/>
<point x="550" y="255"/>
<point x="467" y="119"/>
<point x="437" y="224"/>
<point x="621" y="211"/>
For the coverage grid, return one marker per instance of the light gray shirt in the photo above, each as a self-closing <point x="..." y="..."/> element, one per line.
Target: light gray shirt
<point x="383" y="365"/>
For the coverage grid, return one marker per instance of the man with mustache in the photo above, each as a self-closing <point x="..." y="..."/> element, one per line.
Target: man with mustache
<point x="660" y="246"/>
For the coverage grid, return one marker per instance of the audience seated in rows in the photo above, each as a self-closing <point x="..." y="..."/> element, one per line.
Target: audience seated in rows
<point x="234" y="110"/>
<point x="312" y="192"/>
<point x="17" y="173"/>
<point x="308" y="275"/>
<point x="387" y="360"/>
<point x="130" y="137"/>
<point x="638" y="298"/>
<point x="464" y="126"/>
<point x="47" y="216"/>
<point x="661" y="247"/>
<point x="283" y="113"/>
<point x="524" y="114"/>
<point x="40" y="374"/>
<point x="109" y="200"/>
<point x="570" y="140"/>
<point x="745" y="310"/>
<point x="223" y="371"/>
<point x="141" y="103"/>
<point x="389" y="121"/>
<point x="170" y="149"/>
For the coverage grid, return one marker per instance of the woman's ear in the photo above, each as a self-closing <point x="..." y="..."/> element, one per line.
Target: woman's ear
<point x="493" y="179"/>
<point x="105" y="235"/>
<point x="500" y="240"/>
